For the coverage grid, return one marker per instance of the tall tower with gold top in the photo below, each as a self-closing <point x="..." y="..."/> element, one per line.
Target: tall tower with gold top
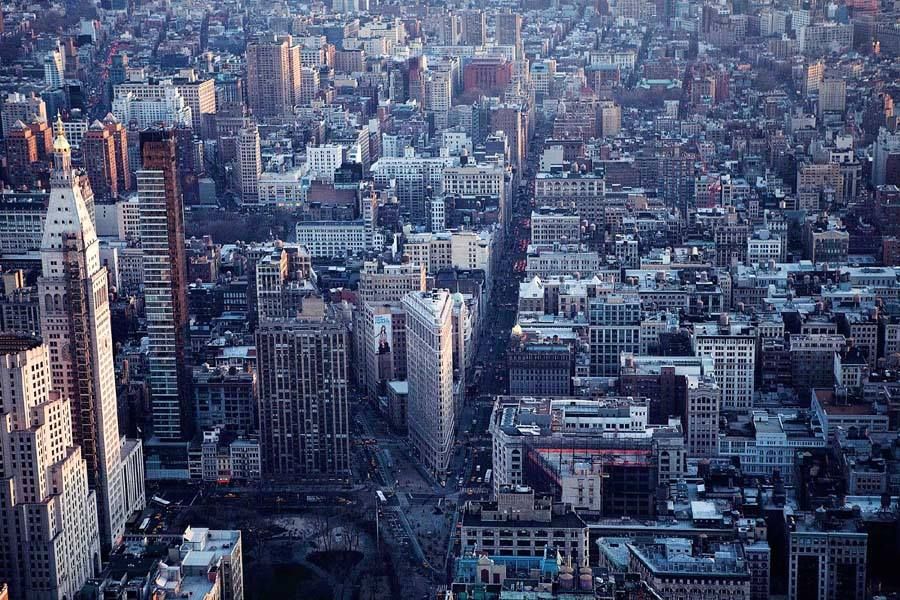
<point x="75" y="321"/>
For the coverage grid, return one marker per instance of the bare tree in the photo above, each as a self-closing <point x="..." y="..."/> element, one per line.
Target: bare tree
<point x="353" y="539"/>
<point x="322" y="531"/>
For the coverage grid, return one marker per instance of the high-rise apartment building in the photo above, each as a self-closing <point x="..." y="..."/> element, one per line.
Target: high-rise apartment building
<point x="303" y="393"/>
<point x="21" y="107"/>
<point x="885" y="150"/>
<point x="54" y="69"/>
<point x="200" y="96"/>
<point x="225" y="397"/>
<point x="273" y="76"/>
<point x="21" y="154"/>
<point x="540" y="369"/>
<point x="123" y="165"/>
<point x="509" y="31"/>
<point x="555" y="225"/>
<point x="76" y="320"/>
<point x="438" y="96"/>
<point x="812" y="361"/>
<point x="309" y="85"/>
<point x="610" y="117"/>
<point x="413" y="175"/>
<point x="832" y="96"/>
<point x="99" y="156"/>
<point x="730" y="236"/>
<point x="473" y="27"/>
<point x="249" y="162"/>
<point x="431" y="414"/>
<point x="118" y="70"/>
<point x="323" y="160"/>
<point x="382" y="346"/>
<point x="615" y="327"/>
<point x="151" y="104"/>
<point x="701" y="417"/>
<point x="162" y="244"/>
<point x="732" y="347"/>
<point x="379" y="282"/>
<point x="49" y="543"/>
<point x="28" y="152"/>
<point x="448" y="29"/>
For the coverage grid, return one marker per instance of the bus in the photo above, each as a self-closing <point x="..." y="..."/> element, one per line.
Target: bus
<point x="381" y="497"/>
<point x="487" y="477"/>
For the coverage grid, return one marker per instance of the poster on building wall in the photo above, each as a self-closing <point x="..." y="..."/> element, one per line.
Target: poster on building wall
<point x="383" y="334"/>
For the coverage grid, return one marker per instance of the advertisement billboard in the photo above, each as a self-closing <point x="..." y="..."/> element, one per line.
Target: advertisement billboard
<point x="383" y="334"/>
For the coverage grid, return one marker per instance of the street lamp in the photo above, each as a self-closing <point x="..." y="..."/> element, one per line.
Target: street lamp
<point x="377" y="530"/>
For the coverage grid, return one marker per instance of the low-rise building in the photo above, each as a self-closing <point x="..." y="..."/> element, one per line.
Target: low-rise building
<point x="207" y="566"/>
<point x="333" y="239"/>
<point x="521" y="524"/>
<point x="833" y="411"/>
<point x="672" y="569"/>
<point x="555" y="225"/>
<point x="827" y="554"/>
<point x="767" y="443"/>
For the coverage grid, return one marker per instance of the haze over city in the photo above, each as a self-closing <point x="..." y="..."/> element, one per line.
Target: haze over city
<point x="449" y="300"/>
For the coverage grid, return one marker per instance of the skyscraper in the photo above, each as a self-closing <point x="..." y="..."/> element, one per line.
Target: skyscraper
<point x="249" y="162"/>
<point x="200" y="95"/>
<point x="118" y="70"/>
<point x="49" y="543"/>
<point x="21" y="153"/>
<point x="885" y="150"/>
<point x="21" y="107"/>
<point x="701" y="417"/>
<point x="75" y="319"/>
<point x="162" y="243"/>
<point x="431" y="415"/>
<point x="124" y="167"/>
<point x="303" y="393"/>
<point x="509" y="31"/>
<point x="832" y="96"/>
<point x="273" y="76"/>
<point x="54" y="69"/>
<point x="732" y="347"/>
<point x="99" y="151"/>
<point x="615" y="327"/>
<point x="473" y="30"/>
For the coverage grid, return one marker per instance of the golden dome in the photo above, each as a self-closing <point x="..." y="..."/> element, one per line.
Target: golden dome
<point x="60" y="143"/>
